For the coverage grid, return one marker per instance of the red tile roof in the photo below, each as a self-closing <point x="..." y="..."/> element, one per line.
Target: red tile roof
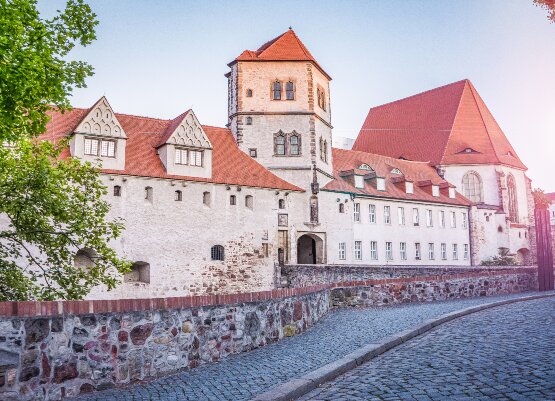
<point x="551" y="196"/>
<point x="422" y="174"/>
<point x="286" y="47"/>
<point x="229" y="164"/>
<point x="437" y="126"/>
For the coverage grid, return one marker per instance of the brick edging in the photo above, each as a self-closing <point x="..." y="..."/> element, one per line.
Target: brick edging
<point x="298" y="387"/>
<point x="57" y="308"/>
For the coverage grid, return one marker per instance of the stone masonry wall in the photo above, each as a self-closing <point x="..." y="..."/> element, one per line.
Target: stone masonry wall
<point x="49" y="350"/>
<point x="307" y="275"/>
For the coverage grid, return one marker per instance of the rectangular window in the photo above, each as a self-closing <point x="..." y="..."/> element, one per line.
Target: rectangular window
<point x="342" y="251"/>
<point x="389" y="250"/>
<point x="453" y="220"/>
<point x="442" y="219"/>
<point x="91" y="147"/>
<point x="252" y="152"/>
<point x="358" y="250"/>
<point x="465" y="254"/>
<point x="359" y="181"/>
<point x="455" y="252"/>
<point x="415" y="217"/>
<point x="401" y="215"/>
<point x="356" y="213"/>
<point x="417" y="253"/>
<point x="108" y="148"/>
<point x="403" y="250"/>
<point x="180" y="156"/>
<point x="195" y="158"/>
<point x="431" y="253"/>
<point x="435" y="190"/>
<point x="443" y="251"/>
<point x="380" y="184"/>
<point x="373" y="250"/>
<point x="372" y="214"/>
<point x="464" y="220"/>
<point x="387" y="214"/>
<point x="409" y="187"/>
<point x="429" y="218"/>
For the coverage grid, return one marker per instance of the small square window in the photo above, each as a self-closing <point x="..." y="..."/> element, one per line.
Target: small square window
<point x="249" y="92"/>
<point x="252" y="152"/>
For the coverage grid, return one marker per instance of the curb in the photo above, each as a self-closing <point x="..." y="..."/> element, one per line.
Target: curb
<point x="298" y="387"/>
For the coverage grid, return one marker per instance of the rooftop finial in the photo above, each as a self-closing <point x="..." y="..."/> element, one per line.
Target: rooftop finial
<point x="290" y="28"/>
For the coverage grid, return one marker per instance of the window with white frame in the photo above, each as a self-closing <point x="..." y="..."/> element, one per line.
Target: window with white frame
<point x="415" y="217"/>
<point x="464" y="220"/>
<point x="465" y="250"/>
<point x="417" y="252"/>
<point x="443" y="251"/>
<point x="107" y="147"/>
<point x="387" y="214"/>
<point x="373" y="250"/>
<point x="431" y="251"/>
<point x="442" y="219"/>
<point x="356" y="212"/>
<point x="389" y="250"/>
<point x="403" y="250"/>
<point x="358" y="250"/>
<point x="372" y="214"/>
<point x="359" y="181"/>
<point x="342" y="249"/>
<point x="453" y="220"/>
<point x="380" y="184"/>
<point x="455" y="252"/>
<point x="195" y="158"/>
<point x="429" y="218"/>
<point x="435" y="190"/>
<point x="409" y="187"/>
<point x="180" y="156"/>
<point x="401" y="215"/>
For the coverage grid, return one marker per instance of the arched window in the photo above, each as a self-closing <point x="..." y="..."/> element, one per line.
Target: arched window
<point x="232" y="200"/>
<point x="178" y="196"/>
<point x="319" y="96"/>
<point x="249" y="201"/>
<point x="472" y="187"/>
<point x="148" y="193"/>
<point x="323" y="97"/>
<point x="396" y="171"/>
<point x="281" y="203"/>
<point x="249" y="92"/>
<point x="279" y="144"/>
<point x="276" y="89"/>
<point x="513" y="203"/>
<point x="117" y="190"/>
<point x="84" y="258"/>
<point x="249" y="120"/>
<point x="289" y="91"/>
<point x="325" y="151"/>
<point x="217" y="252"/>
<point x="294" y="145"/>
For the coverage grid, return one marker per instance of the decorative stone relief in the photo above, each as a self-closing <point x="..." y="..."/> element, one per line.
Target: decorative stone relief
<point x="190" y="133"/>
<point x="101" y="120"/>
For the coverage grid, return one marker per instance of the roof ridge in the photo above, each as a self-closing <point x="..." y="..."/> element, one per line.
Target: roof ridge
<point x="383" y="156"/>
<point x="268" y="44"/>
<point x="420" y="93"/>
<point x="301" y="44"/>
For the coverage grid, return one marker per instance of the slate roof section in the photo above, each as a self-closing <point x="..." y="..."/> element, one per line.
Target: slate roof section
<point x="285" y="47"/>
<point x="229" y="164"/>
<point x="437" y="126"/>
<point x="422" y="174"/>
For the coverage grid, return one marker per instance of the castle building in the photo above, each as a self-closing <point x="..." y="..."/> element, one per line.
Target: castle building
<point x="211" y="209"/>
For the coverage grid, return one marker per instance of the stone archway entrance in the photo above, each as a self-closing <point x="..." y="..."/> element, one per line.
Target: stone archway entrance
<point x="310" y="249"/>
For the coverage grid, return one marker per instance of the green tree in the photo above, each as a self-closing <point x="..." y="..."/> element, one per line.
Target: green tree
<point x="50" y="206"/>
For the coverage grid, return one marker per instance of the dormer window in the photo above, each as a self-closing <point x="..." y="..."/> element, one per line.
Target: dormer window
<point x="396" y="171"/>
<point x="195" y="158"/>
<point x="289" y="91"/>
<point x="365" y="167"/>
<point x="359" y="181"/>
<point x="380" y="184"/>
<point x="452" y="193"/>
<point x="188" y="156"/>
<point x="435" y="190"/>
<point x="93" y="145"/>
<point x="276" y="90"/>
<point x="409" y="187"/>
<point x="181" y="156"/>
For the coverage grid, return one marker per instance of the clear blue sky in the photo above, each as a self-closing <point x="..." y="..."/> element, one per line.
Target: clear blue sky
<point x="158" y="58"/>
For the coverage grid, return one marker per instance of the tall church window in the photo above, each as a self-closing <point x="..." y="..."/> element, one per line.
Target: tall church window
<point x="279" y="144"/>
<point x="472" y="187"/>
<point x="294" y="145"/>
<point x="513" y="204"/>
<point x="289" y="91"/>
<point x="276" y="90"/>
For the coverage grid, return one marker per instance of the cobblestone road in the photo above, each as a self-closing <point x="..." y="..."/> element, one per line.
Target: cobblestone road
<point x="504" y="353"/>
<point x="242" y="376"/>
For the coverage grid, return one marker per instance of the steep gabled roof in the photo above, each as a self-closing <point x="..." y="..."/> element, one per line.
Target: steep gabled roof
<point x="229" y="164"/>
<point x="446" y="125"/>
<point x="421" y="174"/>
<point x="285" y="47"/>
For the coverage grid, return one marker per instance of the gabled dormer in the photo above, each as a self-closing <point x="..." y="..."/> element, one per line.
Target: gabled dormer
<point x="185" y="148"/>
<point x="99" y="137"/>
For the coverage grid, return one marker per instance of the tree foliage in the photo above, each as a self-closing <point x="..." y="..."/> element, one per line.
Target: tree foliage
<point x="541" y="201"/>
<point x="50" y="206"/>
<point x="502" y="259"/>
<point x="549" y="5"/>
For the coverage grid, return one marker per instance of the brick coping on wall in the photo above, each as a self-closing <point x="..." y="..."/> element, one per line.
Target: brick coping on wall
<point x="57" y="308"/>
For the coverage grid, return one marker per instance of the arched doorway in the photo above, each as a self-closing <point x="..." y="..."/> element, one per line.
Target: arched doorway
<point x="522" y="257"/>
<point x="310" y="249"/>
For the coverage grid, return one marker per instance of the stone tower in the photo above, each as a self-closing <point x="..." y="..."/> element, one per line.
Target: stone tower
<point x="279" y="111"/>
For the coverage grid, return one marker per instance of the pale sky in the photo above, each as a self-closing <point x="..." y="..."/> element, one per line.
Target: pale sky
<point x="158" y="59"/>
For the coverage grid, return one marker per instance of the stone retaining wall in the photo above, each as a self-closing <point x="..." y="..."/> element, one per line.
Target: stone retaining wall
<point x="49" y="350"/>
<point x="307" y="275"/>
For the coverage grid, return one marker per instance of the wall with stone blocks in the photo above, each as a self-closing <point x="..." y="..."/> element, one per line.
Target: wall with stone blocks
<point x="49" y="350"/>
<point x="308" y="275"/>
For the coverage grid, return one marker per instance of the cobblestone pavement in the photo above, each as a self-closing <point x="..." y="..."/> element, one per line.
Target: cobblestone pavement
<point x="504" y="353"/>
<point x="240" y="377"/>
